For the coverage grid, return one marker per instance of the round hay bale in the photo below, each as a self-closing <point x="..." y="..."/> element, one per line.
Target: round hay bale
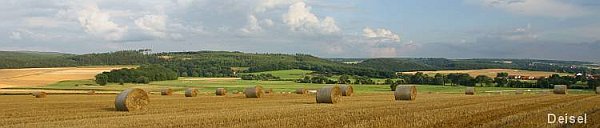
<point x="191" y="92"/>
<point x="329" y="94"/>
<point x="166" y="92"/>
<point x="405" y="92"/>
<point x="221" y="92"/>
<point x="40" y="94"/>
<point x="132" y="99"/>
<point x="91" y="92"/>
<point x="470" y="91"/>
<point x="302" y="91"/>
<point x="268" y="91"/>
<point x="254" y="92"/>
<point x="597" y="90"/>
<point x="560" y="89"/>
<point x="347" y="90"/>
<point x="519" y="91"/>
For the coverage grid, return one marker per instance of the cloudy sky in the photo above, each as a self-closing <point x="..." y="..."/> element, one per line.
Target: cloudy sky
<point x="540" y="29"/>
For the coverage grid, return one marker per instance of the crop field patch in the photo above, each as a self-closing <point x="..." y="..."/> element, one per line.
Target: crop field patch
<point x="45" y="76"/>
<point x="292" y="110"/>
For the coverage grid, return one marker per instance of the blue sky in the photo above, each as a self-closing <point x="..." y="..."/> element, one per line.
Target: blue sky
<point x="536" y="29"/>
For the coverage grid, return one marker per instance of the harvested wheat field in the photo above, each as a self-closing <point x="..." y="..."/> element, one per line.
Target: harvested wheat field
<point x="277" y="110"/>
<point x="45" y="76"/>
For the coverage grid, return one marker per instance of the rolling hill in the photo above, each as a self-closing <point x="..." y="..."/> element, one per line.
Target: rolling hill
<point x="226" y="63"/>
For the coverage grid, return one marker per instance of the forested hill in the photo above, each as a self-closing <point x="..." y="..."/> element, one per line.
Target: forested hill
<point x="221" y="62"/>
<point x="202" y="63"/>
<point x="224" y="63"/>
<point x="416" y="64"/>
<point x="22" y="59"/>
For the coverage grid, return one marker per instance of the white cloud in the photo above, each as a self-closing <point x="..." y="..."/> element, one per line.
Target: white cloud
<point x="252" y="25"/>
<point x="267" y="22"/>
<point x="548" y="8"/>
<point x="380" y="34"/>
<point x="154" y="25"/>
<point x="299" y="18"/>
<point x="99" y="23"/>
<point x="263" y="5"/>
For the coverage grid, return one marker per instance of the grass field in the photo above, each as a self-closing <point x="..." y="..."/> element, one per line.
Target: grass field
<point x="298" y="74"/>
<point x="292" y="110"/>
<point x="286" y="74"/>
<point x="492" y="72"/>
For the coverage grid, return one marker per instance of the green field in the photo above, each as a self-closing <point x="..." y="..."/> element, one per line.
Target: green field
<point x="233" y="85"/>
<point x="298" y="74"/>
<point x="286" y="74"/>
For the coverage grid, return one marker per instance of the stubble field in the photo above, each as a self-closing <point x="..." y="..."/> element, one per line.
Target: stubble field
<point x="45" y="76"/>
<point x="292" y="110"/>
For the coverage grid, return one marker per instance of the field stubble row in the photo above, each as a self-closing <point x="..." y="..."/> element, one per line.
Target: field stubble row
<point x="291" y="110"/>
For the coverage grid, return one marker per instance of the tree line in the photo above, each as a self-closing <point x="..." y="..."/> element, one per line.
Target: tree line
<point x="143" y="74"/>
<point x="501" y="80"/>
<point x="343" y="79"/>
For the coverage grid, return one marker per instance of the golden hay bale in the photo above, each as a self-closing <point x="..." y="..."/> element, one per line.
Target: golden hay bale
<point x="132" y="99"/>
<point x="268" y="91"/>
<point x="221" y="92"/>
<point x="191" y="92"/>
<point x="597" y="90"/>
<point x="347" y="90"/>
<point x="91" y="92"/>
<point x="329" y="94"/>
<point x="560" y="89"/>
<point x="254" y="92"/>
<point x="166" y="92"/>
<point x="470" y="91"/>
<point x="301" y="91"/>
<point x="519" y="91"/>
<point x="405" y="92"/>
<point x="39" y="94"/>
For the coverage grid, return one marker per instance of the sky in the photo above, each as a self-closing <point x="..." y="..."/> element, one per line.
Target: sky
<point x="523" y="29"/>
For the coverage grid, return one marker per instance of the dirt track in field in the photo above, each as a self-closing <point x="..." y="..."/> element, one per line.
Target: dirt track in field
<point x="45" y="76"/>
<point x="291" y="110"/>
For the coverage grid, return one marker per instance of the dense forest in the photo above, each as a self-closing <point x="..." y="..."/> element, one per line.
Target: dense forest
<point x="25" y="59"/>
<point x="142" y="74"/>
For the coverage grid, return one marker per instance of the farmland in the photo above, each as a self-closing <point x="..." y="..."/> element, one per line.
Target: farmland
<point x="45" y="76"/>
<point x="372" y="106"/>
<point x="292" y="110"/>
<point x="492" y="72"/>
